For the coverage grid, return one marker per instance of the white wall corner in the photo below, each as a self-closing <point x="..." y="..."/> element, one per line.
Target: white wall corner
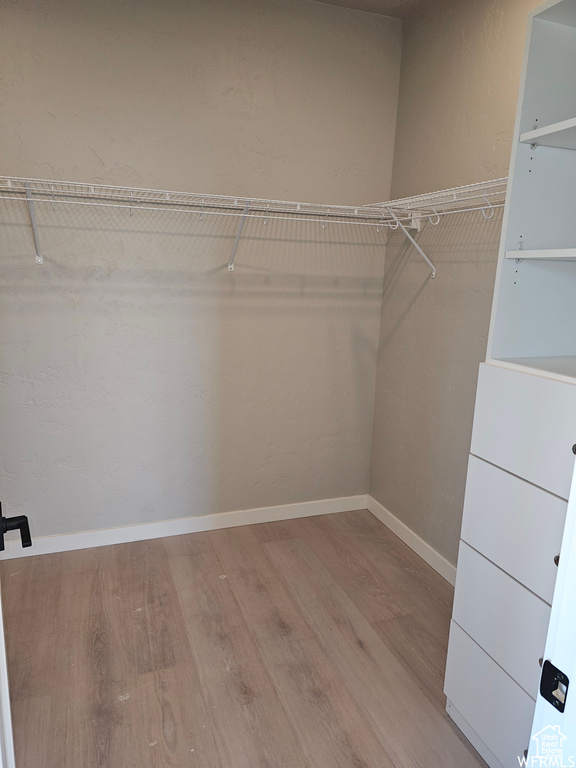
<point x="85" y="539"/>
<point x="422" y="548"/>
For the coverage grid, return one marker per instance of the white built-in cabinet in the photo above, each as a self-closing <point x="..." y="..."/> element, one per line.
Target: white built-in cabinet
<point x="522" y="459"/>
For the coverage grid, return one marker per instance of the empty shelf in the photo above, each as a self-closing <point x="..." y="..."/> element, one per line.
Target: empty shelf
<point x="561" y="135"/>
<point x="563" y="368"/>
<point x="552" y="254"/>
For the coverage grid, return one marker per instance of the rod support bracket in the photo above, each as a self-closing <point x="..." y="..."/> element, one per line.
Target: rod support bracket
<point x="238" y="236"/>
<point x="414" y="243"/>
<point x="39" y="257"/>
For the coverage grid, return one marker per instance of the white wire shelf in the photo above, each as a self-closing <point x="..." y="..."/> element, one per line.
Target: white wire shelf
<point x="483" y="196"/>
<point x="406" y="213"/>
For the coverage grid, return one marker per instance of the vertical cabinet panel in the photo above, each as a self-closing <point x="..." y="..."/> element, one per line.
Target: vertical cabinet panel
<point x="503" y="617"/>
<point x="496" y="708"/>
<point x="515" y="524"/>
<point x="525" y="418"/>
<point x="526" y="424"/>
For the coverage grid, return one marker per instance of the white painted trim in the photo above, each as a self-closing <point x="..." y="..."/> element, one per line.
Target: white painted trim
<point x="551" y="254"/>
<point x="85" y="539"/>
<point x="422" y="548"/>
<point x="100" y="538"/>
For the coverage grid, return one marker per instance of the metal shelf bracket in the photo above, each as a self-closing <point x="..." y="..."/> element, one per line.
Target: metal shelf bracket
<point x="414" y="243"/>
<point x="39" y="257"/>
<point x="238" y="236"/>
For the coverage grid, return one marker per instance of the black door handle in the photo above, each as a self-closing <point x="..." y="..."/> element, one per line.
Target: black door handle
<point x="19" y="523"/>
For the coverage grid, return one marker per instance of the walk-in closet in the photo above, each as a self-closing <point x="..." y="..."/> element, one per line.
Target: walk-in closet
<point x="287" y="435"/>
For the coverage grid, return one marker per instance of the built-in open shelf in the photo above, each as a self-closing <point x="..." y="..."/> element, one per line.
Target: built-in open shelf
<point x="561" y="368"/>
<point x="525" y="413"/>
<point x="551" y="254"/>
<point x="561" y="135"/>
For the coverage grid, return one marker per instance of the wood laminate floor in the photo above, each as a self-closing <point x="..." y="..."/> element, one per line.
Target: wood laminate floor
<point x="314" y="643"/>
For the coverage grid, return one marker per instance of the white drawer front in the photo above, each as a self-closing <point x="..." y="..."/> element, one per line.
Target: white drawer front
<point x="526" y="424"/>
<point x="489" y="700"/>
<point x="502" y="616"/>
<point x="515" y="524"/>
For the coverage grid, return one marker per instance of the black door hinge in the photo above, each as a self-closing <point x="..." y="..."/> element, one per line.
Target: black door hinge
<point x="19" y="523"/>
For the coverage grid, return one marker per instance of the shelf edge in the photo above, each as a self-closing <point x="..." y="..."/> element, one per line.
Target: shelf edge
<point x="549" y="254"/>
<point x="529" y="137"/>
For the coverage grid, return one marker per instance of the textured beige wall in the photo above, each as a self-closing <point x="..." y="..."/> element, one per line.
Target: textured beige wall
<point x="141" y="380"/>
<point x="433" y="336"/>
<point x="281" y="99"/>
<point x="459" y="84"/>
<point x="461" y="67"/>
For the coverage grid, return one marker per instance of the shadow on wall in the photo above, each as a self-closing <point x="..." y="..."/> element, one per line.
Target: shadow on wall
<point x="464" y="240"/>
<point x="433" y="337"/>
<point x="144" y="382"/>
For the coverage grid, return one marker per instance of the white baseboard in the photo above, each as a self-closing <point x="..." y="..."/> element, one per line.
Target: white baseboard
<point x="44" y="545"/>
<point x="426" y="552"/>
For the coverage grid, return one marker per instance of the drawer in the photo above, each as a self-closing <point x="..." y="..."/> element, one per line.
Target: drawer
<point x="515" y="524"/>
<point x="503" y="617"/>
<point x="496" y="708"/>
<point x="526" y="424"/>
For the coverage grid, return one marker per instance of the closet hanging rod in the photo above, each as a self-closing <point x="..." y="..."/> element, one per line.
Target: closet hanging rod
<point x="380" y="220"/>
<point x="406" y="213"/>
<point x="474" y="197"/>
<point x="467" y="197"/>
<point x="205" y="209"/>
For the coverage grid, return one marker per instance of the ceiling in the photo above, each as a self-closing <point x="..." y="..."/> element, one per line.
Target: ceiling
<point x="399" y="8"/>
